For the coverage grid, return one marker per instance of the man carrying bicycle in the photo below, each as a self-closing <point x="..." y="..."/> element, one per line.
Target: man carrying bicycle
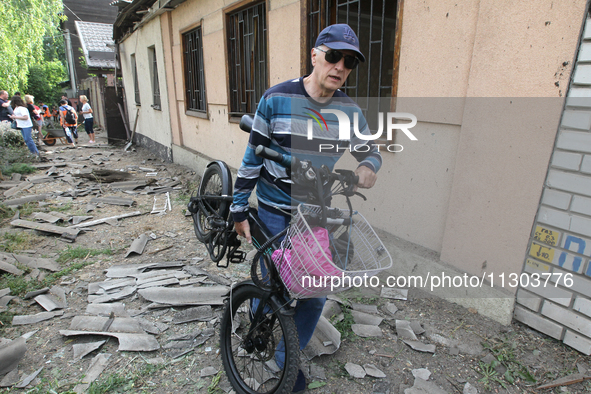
<point x="279" y="125"/>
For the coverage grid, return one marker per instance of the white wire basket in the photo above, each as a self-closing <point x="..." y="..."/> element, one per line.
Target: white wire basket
<point x="314" y="261"/>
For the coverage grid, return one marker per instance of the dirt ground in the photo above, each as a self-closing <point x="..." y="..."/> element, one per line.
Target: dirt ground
<point x="472" y="353"/>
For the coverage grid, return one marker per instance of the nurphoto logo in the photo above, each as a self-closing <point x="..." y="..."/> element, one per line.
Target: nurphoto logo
<point x="345" y="129"/>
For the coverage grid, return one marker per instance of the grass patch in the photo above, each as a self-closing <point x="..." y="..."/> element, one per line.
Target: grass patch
<point x="13" y="242"/>
<point x="79" y="253"/>
<point x="344" y="326"/>
<point x="63" y="208"/>
<point x="134" y="381"/>
<point x="18" y="168"/>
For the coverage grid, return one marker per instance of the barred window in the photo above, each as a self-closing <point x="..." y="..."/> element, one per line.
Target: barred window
<point x="136" y="85"/>
<point x="154" y="74"/>
<point x="194" y="73"/>
<point x="247" y="58"/>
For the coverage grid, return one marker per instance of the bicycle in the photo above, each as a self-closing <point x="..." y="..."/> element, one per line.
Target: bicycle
<point x="258" y="337"/>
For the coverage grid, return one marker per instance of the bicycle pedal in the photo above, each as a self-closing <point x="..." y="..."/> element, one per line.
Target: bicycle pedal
<point x="236" y="257"/>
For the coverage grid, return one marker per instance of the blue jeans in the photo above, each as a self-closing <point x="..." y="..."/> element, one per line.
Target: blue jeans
<point x="308" y="311"/>
<point x="26" y="132"/>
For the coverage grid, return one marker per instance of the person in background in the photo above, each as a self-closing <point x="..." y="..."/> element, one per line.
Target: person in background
<point x="5" y="108"/>
<point x="46" y="114"/>
<point x="64" y="97"/>
<point x="34" y="113"/>
<point x="55" y="114"/>
<point x="70" y="126"/>
<point x="23" y="123"/>
<point x="88" y="118"/>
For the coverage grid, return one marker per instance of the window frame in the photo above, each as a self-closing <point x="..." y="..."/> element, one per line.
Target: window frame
<point x="200" y="82"/>
<point x="154" y="78"/>
<point x="261" y="83"/>
<point x="136" y="85"/>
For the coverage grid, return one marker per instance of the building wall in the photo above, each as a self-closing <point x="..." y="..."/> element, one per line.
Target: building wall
<point x="490" y="76"/>
<point x="560" y="245"/>
<point x="153" y="125"/>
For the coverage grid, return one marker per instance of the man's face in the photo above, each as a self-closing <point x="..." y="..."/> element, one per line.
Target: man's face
<point x="4" y="96"/>
<point x="330" y="76"/>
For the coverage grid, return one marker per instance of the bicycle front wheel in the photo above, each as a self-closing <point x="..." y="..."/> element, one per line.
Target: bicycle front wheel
<point x="212" y="184"/>
<point x="267" y="360"/>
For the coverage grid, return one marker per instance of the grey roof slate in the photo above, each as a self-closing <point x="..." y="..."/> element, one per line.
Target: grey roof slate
<point x="95" y="38"/>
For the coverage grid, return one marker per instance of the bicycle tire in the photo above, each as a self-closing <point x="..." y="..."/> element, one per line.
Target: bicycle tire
<point x="217" y="245"/>
<point x="212" y="183"/>
<point x="255" y="372"/>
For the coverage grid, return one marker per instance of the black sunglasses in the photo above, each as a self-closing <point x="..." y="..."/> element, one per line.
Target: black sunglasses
<point x="333" y="56"/>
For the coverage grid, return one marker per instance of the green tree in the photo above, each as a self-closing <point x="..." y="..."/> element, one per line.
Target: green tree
<point x="43" y="80"/>
<point x="24" y="26"/>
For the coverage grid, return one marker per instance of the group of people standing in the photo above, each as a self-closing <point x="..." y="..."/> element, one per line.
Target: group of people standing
<point x="26" y="117"/>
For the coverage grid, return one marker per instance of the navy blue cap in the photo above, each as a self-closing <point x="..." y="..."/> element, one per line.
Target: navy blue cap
<point x="340" y="36"/>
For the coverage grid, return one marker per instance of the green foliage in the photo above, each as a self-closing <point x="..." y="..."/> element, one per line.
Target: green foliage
<point x="344" y="326"/>
<point x="44" y="79"/>
<point x="13" y="242"/>
<point x="18" y="168"/>
<point x="24" y="26"/>
<point x="122" y="383"/>
<point x="79" y="252"/>
<point x="504" y="353"/>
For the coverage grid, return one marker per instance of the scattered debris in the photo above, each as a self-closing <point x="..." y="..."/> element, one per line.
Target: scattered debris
<point x="208" y="371"/>
<point x="422" y="373"/>
<point x="421" y="347"/>
<point x="325" y="332"/>
<point x="366" y="318"/>
<point x="200" y="313"/>
<point x="355" y="370"/>
<point x="565" y="381"/>
<point x="11" y="354"/>
<point x="395" y="294"/>
<point x="126" y="202"/>
<point x="161" y="206"/>
<point x="82" y="349"/>
<point x="27" y="380"/>
<point x="17" y="202"/>
<point x="20" y="320"/>
<point x="97" y="366"/>
<point x="138" y="245"/>
<point x="67" y="233"/>
<point x="373" y="371"/>
<point x="366" y="331"/>
<point x="186" y="295"/>
<point x="127" y="342"/>
<point x="404" y="330"/>
<point x="422" y="387"/>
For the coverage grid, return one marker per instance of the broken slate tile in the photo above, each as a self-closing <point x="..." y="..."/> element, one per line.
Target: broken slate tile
<point x="5" y="292"/>
<point x="10" y="379"/>
<point x="355" y="370"/>
<point x="469" y="389"/>
<point x="32" y="319"/>
<point x="331" y="308"/>
<point x="97" y="323"/>
<point x="80" y="219"/>
<point x="164" y="282"/>
<point x="366" y="318"/>
<point x="48" y="302"/>
<point x="395" y="294"/>
<point x="82" y="349"/>
<point x="127" y="342"/>
<point x="60" y="294"/>
<point x="200" y="313"/>
<point x="373" y="371"/>
<point x="11" y="353"/>
<point x="5" y="300"/>
<point x="117" y="308"/>
<point x="153" y="328"/>
<point x="404" y="330"/>
<point x="185" y="295"/>
<point x="422" y="373"/>
<point x="27" y="380"/>
<point x="138" y="245"/>
<point x="35" y="293"/>
<point x="37" y="262"/>
<point x="123" y="293"/>
<point x="186" y="337"/>
<point x="324" y="332"/>
<point x="419" y="346"/>
<point x="366" y="331"/>
<point x="11" y="269"/>
<point x="417" y="328"/>
<point x="97" y="366"/>
<point x="373" y="309"/>
<point x="128" y="202"/>
<point x="208" y="371"/>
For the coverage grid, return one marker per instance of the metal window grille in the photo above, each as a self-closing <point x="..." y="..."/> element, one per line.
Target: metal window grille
<point x="194" y="73"/>
<point x="374" y="22"/>
<point x="247" y="54"/>
<point x="155" y="84"/>
<point x="136" y="85"/>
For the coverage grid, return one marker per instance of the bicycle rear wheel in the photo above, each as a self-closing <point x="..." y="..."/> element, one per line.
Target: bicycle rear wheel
<point x="268" y="360"/>
<point x="213" y="183"/>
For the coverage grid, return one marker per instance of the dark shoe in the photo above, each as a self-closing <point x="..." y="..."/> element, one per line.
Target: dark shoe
<point x="300" y="383"/>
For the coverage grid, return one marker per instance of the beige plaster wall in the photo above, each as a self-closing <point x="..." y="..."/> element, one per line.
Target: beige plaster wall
<point x="154" y="124"/>
<point x="214" y="135"/>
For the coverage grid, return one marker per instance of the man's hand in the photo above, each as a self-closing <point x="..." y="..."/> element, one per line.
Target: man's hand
<point x="367" y="178"/>
<point x="243" y="229"/>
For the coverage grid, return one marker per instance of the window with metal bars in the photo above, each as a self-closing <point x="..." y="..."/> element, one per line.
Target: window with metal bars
<point x="194" y="74"/>
<point x="154" y="72"/>
<point x="136" y="85"/>
<point x="374" y="22"/>
<point x="247" y="58"/>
